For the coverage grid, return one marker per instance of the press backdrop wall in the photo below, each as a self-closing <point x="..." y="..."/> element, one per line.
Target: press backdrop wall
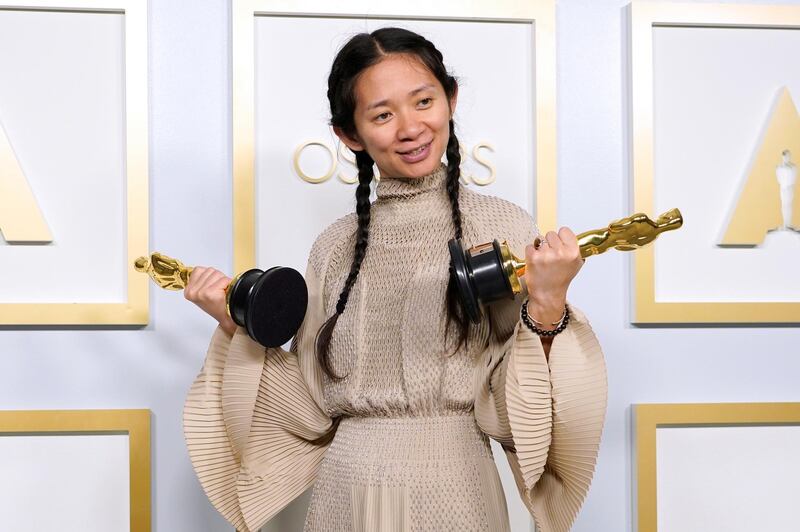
<point x="190" y="217"/>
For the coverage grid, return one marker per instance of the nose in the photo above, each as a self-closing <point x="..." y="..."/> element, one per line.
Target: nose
<point x="409" y="127"/>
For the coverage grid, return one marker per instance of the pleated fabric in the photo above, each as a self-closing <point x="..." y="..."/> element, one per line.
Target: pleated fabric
<point x="549" y="416"/>
<point x="401" y="442"/>
<point x="408" y="474"/>
<point x="255" y="432"/>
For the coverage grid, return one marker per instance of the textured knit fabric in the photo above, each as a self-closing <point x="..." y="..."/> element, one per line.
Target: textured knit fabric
<point x="401" y="444"/>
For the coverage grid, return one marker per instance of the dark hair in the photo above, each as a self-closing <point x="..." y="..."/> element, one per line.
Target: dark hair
<point x="358" y="54"/>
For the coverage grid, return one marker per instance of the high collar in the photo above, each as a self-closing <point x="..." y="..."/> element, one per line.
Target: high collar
<point x="407" y="187"/>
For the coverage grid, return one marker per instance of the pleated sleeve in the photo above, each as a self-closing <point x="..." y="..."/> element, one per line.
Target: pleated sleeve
<point x="548" y="414"/>
<point x="254" y="420"/>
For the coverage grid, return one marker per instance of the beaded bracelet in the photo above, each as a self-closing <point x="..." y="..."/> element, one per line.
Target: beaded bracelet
<point x="526" y="319"/>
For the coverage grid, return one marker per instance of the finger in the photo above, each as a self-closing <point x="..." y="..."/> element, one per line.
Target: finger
<point x="540" y="243"/>
<point x="534" y="254"/>
<point x="569" y="239"/>
<point x="554" y="240"/>
<point x="566" y="234"/>
<point x="204" y="275"/>
<point x="531" y="249"/>
<point x="190" y="291"/>
<point x="210" y="282"/>
<point x="222" y="282"/>
<point x="202" y="291"/>
<point x="216" y="283"/>
<point x="198" y="274"/>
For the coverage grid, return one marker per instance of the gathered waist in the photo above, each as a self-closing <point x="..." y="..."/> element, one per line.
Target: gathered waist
<point x="437" y="438"/>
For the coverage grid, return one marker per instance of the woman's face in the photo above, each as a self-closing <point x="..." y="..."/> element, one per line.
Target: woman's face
<point x="402" y="117"/>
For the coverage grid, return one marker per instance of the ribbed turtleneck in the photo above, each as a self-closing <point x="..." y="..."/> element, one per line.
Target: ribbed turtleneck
<point x="391" y="188"/>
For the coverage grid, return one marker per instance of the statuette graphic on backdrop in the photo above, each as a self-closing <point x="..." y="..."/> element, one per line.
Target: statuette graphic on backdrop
<point x="766" y="206"/>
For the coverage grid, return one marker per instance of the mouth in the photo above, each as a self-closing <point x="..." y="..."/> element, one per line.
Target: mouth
<point x="416" y="154"/>
<point x="416" y="151"/>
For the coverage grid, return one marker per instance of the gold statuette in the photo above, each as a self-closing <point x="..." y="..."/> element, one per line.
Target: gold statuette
<point x="490" y="271"/>
<point x="628" y="233"/>
<point x="168" y="273"/>
<point x="270" y="304"/>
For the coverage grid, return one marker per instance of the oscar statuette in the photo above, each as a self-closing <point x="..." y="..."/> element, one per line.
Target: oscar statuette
<point x="269" y="304"/>
<point x="490" y="271"/>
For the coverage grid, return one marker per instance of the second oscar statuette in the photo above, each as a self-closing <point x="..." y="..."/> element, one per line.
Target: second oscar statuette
<point x="270" y="305"/>
<point x="490" y="271"/>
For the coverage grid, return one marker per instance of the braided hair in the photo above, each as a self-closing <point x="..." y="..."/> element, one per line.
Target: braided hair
<point x="359" y="53"/>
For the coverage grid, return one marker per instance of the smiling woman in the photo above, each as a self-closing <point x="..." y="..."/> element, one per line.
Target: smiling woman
<point x="388" y="396"/>
<point x="402" y="117"/>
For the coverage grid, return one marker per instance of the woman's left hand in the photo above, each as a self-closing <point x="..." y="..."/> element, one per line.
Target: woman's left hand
<point x="550" y="268"/>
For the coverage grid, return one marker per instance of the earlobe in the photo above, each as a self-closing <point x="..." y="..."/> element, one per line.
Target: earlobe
<point x="350" y="142"/>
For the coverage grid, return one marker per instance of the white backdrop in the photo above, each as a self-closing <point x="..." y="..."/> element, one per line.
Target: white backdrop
<point x="190" y="171"/>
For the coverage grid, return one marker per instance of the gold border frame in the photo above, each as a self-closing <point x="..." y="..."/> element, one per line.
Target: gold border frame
<point x="135" y="310"/>
<point x="649" y="417"/>
<point x="644" y="16"/>
<point x="541" y="13"/>
<point x="134" y="422"/>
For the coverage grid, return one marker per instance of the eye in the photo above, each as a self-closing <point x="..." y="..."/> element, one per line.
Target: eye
<point x="425" y="102"/>
<point x="382" y="117"/>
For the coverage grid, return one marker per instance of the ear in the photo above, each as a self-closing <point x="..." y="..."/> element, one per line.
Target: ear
<point x="453" y="102"/>
<point x="351" y="142"/>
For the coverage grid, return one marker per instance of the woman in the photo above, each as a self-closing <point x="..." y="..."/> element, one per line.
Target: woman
<point x="388" y="396"/>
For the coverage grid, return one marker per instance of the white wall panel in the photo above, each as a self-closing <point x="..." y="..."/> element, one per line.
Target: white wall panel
<point x="737" y="478"/>
<point x="62" y="107"/>
<point x="714" y="90"/>
<point x="64" y="482"/>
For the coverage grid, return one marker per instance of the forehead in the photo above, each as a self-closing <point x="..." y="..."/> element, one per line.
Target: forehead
<point x="393" y="77"/>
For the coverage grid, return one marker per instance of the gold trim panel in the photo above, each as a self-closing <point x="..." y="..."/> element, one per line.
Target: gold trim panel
<point x="644" y="16"/>
<point x="136" y="423"/>
<point x="649" y="417"/>
<point x="135" y="310"/>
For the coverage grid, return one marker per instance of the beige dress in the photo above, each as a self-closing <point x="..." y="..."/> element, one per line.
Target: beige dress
<point x="410" y="452"/>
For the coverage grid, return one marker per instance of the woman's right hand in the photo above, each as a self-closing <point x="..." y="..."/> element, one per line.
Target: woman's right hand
<point x="206" y="289"/>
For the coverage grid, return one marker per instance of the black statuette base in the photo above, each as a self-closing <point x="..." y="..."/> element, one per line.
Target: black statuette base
<point x="479" y="276"/>
<point x="270" y="305"/>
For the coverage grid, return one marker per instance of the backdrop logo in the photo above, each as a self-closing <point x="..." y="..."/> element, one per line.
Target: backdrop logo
<point x="767" y="201"/>
<point x="344" y="154"/>
<point x="21" y="220"/>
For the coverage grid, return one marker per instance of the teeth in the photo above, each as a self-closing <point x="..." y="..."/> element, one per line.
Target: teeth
<point x="417" y="151"/>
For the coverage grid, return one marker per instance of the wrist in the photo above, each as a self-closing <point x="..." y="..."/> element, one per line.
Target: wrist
<point x="544" y="330"/>
<point x="547" y="309"/>
<point x="228" y="325"/>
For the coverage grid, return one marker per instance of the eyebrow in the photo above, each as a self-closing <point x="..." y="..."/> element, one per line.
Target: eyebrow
<point x="412" y="93"/>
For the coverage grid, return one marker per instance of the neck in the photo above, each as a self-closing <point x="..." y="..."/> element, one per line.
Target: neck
<point x="406" y="187"/>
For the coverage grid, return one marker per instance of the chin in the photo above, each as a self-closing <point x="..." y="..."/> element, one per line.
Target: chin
<point x="423" y="168"/>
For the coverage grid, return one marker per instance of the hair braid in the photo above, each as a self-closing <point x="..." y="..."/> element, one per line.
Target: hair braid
<point x="365" y="175"/>
<point x="453" y="176"/>
<point x="454" y="310"/>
